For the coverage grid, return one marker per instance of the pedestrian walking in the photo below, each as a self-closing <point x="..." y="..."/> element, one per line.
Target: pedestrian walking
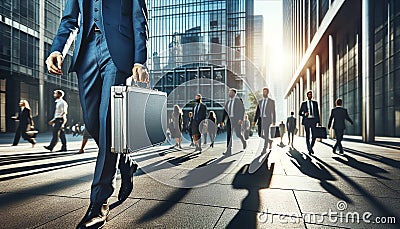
<point x="246" y="127"/>
<point x="338" y="116"/>
<point x="85" y="139"/>
<point x="310" y="113"/>
<point x="25" y="123"/>
<point x="291" y="127"/>
<point x="199" y="115"/>
<point x="177" y="125"/>
<point x="58" y="122"/>
<point x="264" y="117"/>
<point x="234" y="113"/>
<point x="281" y="131"/>
<point x="212" y="127"/>
<point x="111" y="46"/>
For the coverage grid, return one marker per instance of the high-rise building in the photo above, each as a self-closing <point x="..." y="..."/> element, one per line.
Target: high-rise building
<point x="198" y="46"/>
<point x="26" y="32"/>
<point x="351" y="50"/>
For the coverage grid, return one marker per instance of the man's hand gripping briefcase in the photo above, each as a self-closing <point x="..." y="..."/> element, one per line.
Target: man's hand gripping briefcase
<point x="138" y="118"/>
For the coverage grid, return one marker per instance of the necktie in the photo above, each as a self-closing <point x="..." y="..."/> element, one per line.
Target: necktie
<point x="311" y="110"/>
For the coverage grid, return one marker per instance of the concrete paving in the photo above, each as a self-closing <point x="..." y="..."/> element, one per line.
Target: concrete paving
<point x="177" y="188"/>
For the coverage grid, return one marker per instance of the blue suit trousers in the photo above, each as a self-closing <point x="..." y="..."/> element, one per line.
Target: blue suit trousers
<point x="96" y="73"/>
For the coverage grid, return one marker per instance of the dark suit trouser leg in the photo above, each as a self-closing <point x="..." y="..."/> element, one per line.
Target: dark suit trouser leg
<point x="339" y="138"/>
<point x="313" y="128"/>
<point x="238" y="132"/>
<point x="96" y="74"/>
<point x="63" y="139"/>
<point x="56" y="132"/>
<point x="17" y="135"/>
<point x="229" y="135"/>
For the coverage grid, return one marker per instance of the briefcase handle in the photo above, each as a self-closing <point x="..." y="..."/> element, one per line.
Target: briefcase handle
<point x="130" y="82"/>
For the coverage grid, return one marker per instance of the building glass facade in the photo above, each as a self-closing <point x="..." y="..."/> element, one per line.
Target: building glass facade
<point x="334" y="56"/>
<point x="21" y="37"/>
<point x="192" y="40"/>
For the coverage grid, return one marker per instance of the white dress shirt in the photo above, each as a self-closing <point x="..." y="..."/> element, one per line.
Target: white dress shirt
<point x="61" y="109"/>
<point x="231" y="105"/>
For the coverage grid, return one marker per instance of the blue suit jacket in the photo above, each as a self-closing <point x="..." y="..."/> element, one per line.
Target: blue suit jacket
<point x="125" y="29"/>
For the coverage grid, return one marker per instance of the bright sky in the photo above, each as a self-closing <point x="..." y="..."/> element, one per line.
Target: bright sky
<point x="272" y="12"/>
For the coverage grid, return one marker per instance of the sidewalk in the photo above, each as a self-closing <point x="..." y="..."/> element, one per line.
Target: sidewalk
<point x="184" y="189"/>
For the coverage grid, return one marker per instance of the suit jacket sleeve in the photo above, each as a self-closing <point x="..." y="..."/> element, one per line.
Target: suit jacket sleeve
<point x="303" y="109"/>
<point x="241" y="109"/>
<point x="273" y="113"/>
<point x="348" y="117"/>
<point x="330" y="119"/>
<point x="224" y="114"/>
<point x="140" y="31"/>
<point x="257" y="115"/>
<point x="68" y="26"/>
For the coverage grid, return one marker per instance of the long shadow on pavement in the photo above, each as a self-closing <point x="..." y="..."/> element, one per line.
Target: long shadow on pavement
<point x="373" y="200"/>
<point x="369" y="169"/>
<point x="374" y="157"/>
<point x="261" y="179"/>
<point x="304" y="163"/>
<point x="42" y="168"/>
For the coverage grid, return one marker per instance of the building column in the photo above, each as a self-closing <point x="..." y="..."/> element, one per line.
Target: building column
<point x="318" y="79"/>
<point x="332" y="76"/>
<point x="368" y="128"/>
<point x="332" y="71"/>
<point x="42" y="110"/>
<point x="296" y="105"/>
<point x="301" y="98"/>
<point x="308" y="79"/>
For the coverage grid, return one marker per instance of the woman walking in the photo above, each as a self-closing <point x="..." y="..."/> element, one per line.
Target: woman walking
<point x="177" y="125"/>
<point x="212" y="128"/>
<point x="25" y="123"/>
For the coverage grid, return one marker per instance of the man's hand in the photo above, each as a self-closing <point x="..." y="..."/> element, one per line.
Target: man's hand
<point x="52" y="60"/>
<point x="254" y="123"/>
<point x="140" y="74"/>
<point x="306" y="114"/>
<point x="51" y="122"/>
<point x="222" y="124"/>
<point x="240" y="122"/>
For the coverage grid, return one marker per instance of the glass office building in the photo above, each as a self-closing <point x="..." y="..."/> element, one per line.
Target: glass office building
<point x="198" y="46"/>
<point x="26" y="32"/>
<point x="350" y="50"/>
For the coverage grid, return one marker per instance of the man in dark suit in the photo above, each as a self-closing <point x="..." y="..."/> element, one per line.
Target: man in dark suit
<point x="291" y="126"/>
<point x="111" y="46"/>
<point x="25" y="123"/>
<point x="199" y="115"/>
<point x="234" y="112"/>
<point x="264" y="117"/>
<point x="339" y="115"/>
<point x="310" y="113"/>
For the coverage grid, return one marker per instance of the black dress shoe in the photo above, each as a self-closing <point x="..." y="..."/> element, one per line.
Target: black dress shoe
<point x="96" y="216"/>
<point x="126" y="184"/>
<point x="62" y="150"/>
<point x="48" y="148"/>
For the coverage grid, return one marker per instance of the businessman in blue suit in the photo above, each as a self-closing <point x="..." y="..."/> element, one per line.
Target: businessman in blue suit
<point x="111" y="45"/>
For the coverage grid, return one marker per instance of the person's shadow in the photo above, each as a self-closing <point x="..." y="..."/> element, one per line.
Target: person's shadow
<point x="246" y="217"/>
<point x="369" y="169"/>
<point x="317" y="171"/>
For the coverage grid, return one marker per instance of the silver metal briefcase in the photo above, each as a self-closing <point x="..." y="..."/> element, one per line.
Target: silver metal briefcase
<point x="138" y="118"/>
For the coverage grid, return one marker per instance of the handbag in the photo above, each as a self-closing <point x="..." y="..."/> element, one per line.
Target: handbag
<point x="295" y="130"/>
<point x="320" y="132"/>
